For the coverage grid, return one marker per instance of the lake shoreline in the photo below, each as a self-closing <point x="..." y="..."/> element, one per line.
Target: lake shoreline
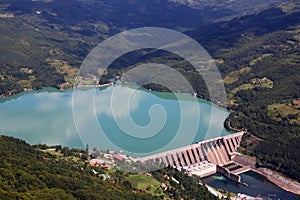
<point x="289" y="185"/>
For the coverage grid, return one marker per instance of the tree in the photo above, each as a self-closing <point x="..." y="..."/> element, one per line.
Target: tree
<point x="66" y="151"/>
<point x="127" y="185"/>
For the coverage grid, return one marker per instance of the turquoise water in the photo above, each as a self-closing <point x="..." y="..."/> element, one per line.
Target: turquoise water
<point x="138" y="122"/>
<point x="257" y="186"/>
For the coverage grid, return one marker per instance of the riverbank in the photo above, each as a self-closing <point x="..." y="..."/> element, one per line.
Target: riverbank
<point x="279" y="180"/>
<point x="214" y="191"/>
<point x="276" y="178"/>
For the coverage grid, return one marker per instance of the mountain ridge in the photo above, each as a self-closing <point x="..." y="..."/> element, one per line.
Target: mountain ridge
<point x="248" y="50"/>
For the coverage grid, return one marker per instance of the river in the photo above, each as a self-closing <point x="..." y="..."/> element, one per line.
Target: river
<point x="258" y="186"/>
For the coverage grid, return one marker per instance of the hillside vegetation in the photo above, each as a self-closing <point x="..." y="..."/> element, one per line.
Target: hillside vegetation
<point x="29" y="173"/>
<point x="51" y="38"/>
<point x="259" y="58"/>
<point x="257" y="54"/>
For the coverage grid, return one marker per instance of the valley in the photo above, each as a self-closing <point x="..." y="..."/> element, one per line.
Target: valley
<point x="255" y="45"/>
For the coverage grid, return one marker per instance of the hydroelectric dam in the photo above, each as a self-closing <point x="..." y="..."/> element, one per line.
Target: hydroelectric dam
<point x="203" y="158"/>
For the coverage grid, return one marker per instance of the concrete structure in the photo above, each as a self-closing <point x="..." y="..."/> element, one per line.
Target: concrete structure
<point x="201" y="169"/>
<point x="241" y="170"/>
<point x="226" y="172"/>
<point x="233" y="170"/>
<point x="220" y="151"/>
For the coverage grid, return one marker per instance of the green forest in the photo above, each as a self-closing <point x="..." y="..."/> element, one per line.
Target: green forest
<point x="257" y="55"/>
<point x="28" y="172"/>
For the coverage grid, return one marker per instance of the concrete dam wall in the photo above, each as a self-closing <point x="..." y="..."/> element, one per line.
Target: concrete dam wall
<point x="220" y="150"/>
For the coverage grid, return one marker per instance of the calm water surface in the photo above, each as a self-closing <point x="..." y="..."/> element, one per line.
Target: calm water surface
<point x="257" y="186"/>
<point x="118" y="117"/>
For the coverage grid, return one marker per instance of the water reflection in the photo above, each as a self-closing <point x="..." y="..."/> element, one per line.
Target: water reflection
<point x="47" y="117"/>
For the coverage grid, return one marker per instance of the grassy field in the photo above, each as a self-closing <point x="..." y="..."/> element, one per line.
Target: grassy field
<point x="249" y="86"/>
<point x="233" y="76"/>
<point x="60" y="155"/>
<point x="144" y="182"/>
<point x="260" y="58"/>
<point x="280" y="112"/>
<point x="53" y="152"/>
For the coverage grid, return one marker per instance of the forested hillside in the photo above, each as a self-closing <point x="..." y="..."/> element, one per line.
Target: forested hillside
<point x="29" y="173"/>
<point x="258" y="56"/>
<point x="43" y="42"/>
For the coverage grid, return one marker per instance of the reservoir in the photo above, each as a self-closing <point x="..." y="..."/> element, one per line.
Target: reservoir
<point x="121" y="118"/>
<point x="136" y="121"/>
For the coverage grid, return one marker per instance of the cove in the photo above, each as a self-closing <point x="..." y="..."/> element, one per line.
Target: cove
<point x="121" y="118"/>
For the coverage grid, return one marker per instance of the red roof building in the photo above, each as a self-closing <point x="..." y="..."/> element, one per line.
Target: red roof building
<point x="118" y="157"/>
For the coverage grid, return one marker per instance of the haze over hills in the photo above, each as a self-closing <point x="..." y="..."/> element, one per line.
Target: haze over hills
<point x="234" y="8"/>
<point x="120" y="14"/>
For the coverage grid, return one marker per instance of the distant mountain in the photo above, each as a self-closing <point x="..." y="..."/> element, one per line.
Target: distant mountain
<point x="235" y="8"/>
<point x="226" y="34"/>
<point x="52" y="37"/>
<point x="258" y="56"/>
<point x="132" y="13"/>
